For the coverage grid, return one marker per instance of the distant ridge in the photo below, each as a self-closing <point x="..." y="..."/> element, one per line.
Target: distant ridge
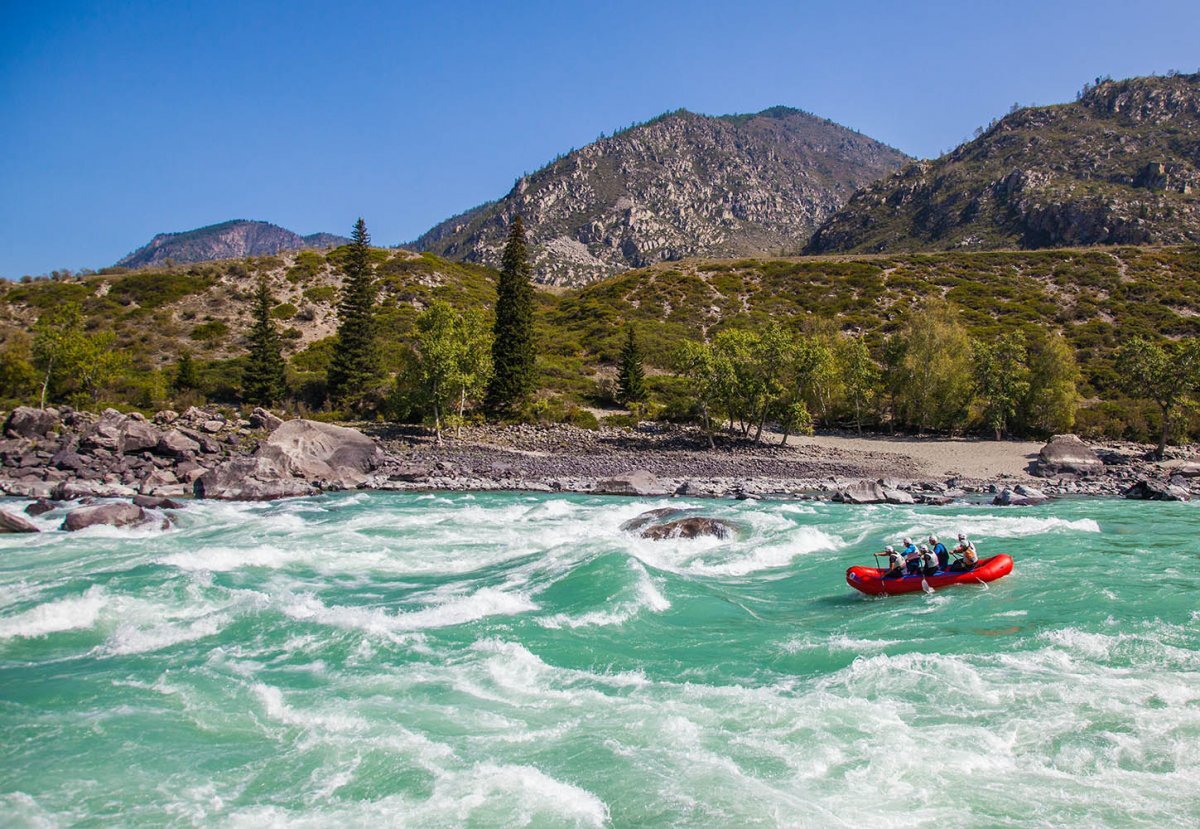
<point x="1121" y="165"/>
<point x="678" y="185"/>
<point x="227" y="240"/>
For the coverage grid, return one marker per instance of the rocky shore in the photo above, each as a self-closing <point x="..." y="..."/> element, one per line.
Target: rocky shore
<point x="61" y="455"/>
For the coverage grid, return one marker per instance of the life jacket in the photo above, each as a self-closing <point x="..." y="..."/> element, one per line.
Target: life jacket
<point x="969" y="553"/>
<point x="930" y="558"/>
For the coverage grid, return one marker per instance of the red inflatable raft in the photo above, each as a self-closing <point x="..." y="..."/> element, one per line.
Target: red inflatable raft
<point x="870" y="579"/>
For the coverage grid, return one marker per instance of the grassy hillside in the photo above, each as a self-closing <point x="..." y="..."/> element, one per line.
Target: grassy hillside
<point x="1097" y="297"/>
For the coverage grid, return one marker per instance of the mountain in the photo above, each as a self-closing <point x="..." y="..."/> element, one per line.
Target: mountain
<point x="1121" y="165"/>
<point x="680" y="185"/>
<point x="227" y="240"/>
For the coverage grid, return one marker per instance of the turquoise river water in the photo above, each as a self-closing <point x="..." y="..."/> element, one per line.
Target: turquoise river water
<point x="387" y="659"/>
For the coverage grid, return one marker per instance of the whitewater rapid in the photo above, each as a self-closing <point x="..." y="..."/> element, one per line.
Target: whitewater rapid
<point x="516" y="659"/>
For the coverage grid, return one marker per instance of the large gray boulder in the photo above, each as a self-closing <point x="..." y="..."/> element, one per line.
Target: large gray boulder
<point x="114" y="515"/>
<point x="260" y="418"/>
<point x="121" y="434"/>
<point x="650" y="517"/>
<point x="639" y="482"/>
<point x="1067" y="455"/>
<point x="1020" y="496"/>
<point x="301" y="457"/>
<point x="175" y="444"/>
<point x="28" y="422"/>
<point x="250" y="479"/>
<point x="1148" y="490"/>
<point x="696" y="526"/>
<point x="334" y="457"/>
<point x="872" y="492"/>
<point x="10" y="523"/>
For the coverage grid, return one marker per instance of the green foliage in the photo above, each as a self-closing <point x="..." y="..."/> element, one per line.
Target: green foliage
<point x="283" y="311"/>
<point x="185" y="377"/>
<point x="513" y="343"/>
<point x="210" y="332"/>
<point x="631" y="374"/>
<point x="1053" y="397"/>
<point x="75" y="365"/>
<point x="453" y="359"/>
<point x="1166" y="374"/>
<point x="354" y="369"/>
<point x="18" y="377"/>
<point x="263" y="379"/>
<point x="860" y="374"/>
<point x="930" y="372"/>
<point x="1001" y="379"/>
<point x="154" y="290"/>
<point x="320" y="293"/>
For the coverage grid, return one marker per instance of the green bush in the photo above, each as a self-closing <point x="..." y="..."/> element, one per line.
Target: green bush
<point x="283" y="311"/>
<point x="211" y="332"/>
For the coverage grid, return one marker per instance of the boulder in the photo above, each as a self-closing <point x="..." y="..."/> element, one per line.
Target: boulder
<point x="260" y="418"/>
<point x="72" y="490"/>
<point x="1067" y="455"/>
<point x="175" y="444"/>
<point x="250" y="479"/>
<point x="28" y="422"/>
<point x="649" y="517"/>
<point x="114" y="515"/>
<point x="39" y="507"/>
<point x="410" y="473"/>
<point x="1148" y="490"/>
<point x="1184" y="469"/>
<point x="336" y="457"/>
<point x="639" y="482"/>
<point x="10" y="523"/>
<point x="872" y="492"/>
<point x="154" y="502"/>
<point x="694" y="527"/>
<point x="138" y="436"/>
<point x="1020" y="496"/>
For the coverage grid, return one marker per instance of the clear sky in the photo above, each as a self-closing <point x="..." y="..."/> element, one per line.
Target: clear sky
<point x="119" y="120"/>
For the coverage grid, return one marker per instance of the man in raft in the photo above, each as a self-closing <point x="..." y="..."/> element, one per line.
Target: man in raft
<point x="939" y="550"/>
<point x="912" y="558"/>
<point x="968" y="557"/>
<point x="895" y="563"/>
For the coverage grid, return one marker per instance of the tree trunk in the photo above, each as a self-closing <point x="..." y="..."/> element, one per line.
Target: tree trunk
<point x="437" y="422"/>
<point x="998" y="433"/>
<point x="462" y="407"/>
<point x="1166" y="430"/>
<point x="46" y="383"/>
<point x="712" y="444"/>
<point x="786" y="434"/>
<point x="858" y="416"/>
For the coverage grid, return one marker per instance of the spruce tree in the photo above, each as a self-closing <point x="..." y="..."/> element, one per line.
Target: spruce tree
<point x="354" y="368"/>
<point x="513" y="342"/>
<point x="631" y="375"/>
<point x="263" y="381"/>
<point x="185" y="373"/>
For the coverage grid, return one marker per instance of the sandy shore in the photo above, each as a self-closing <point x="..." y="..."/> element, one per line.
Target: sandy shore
<point x="941" y="458"/>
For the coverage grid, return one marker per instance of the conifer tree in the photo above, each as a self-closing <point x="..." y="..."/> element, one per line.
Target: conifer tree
<point x="631" y="375"/>
<point x="263" y="381"/>
<point x="354" y="367"/>
<point x="185" y="373"/>
<point x="513" y="341"/>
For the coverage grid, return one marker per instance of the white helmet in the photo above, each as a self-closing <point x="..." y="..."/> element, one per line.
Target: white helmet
<point x="933" y="539"/>
<point x="962" y="536"/>
<point x="889" y="549"/>
<point x="908" y="541"/>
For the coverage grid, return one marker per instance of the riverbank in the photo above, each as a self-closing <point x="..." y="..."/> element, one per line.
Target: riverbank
<point x="64" y="455"/>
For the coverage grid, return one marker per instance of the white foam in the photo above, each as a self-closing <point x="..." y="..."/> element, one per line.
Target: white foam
<point x="76" y="613"/>
<point x="457" y="611"/>
<point x="715" y="557"/>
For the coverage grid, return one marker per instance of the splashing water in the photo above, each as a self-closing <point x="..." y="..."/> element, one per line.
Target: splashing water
<point x="518" y="660"/>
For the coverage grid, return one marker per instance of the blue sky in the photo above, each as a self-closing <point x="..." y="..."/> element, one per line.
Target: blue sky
<point x="119" y="120"/>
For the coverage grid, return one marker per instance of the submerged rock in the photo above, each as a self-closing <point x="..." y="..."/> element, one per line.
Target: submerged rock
<point x="114" y="515"/>
<point x="694" y="527"/>
<point x="1020" y="496"/>
<point x="649" y="517"/>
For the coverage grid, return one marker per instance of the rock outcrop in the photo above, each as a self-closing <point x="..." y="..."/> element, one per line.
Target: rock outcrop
<point x="1020" y="496"/>
<point x="1067" y="455"/>
<point x="1117" y="167"/>
<point x="679" y="185"/>
<point x="872" y="492"/>
<point x="228" y="240"/>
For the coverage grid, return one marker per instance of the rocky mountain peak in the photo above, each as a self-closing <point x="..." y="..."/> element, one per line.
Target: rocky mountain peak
<point x="679" y="185"/>
<point x="228" y="240"/>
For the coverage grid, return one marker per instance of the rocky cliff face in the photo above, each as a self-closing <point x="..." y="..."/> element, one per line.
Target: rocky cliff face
<point x="680" y="185"/>
<point x="1119" y="166"/>
<point x="228" y="240"/>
